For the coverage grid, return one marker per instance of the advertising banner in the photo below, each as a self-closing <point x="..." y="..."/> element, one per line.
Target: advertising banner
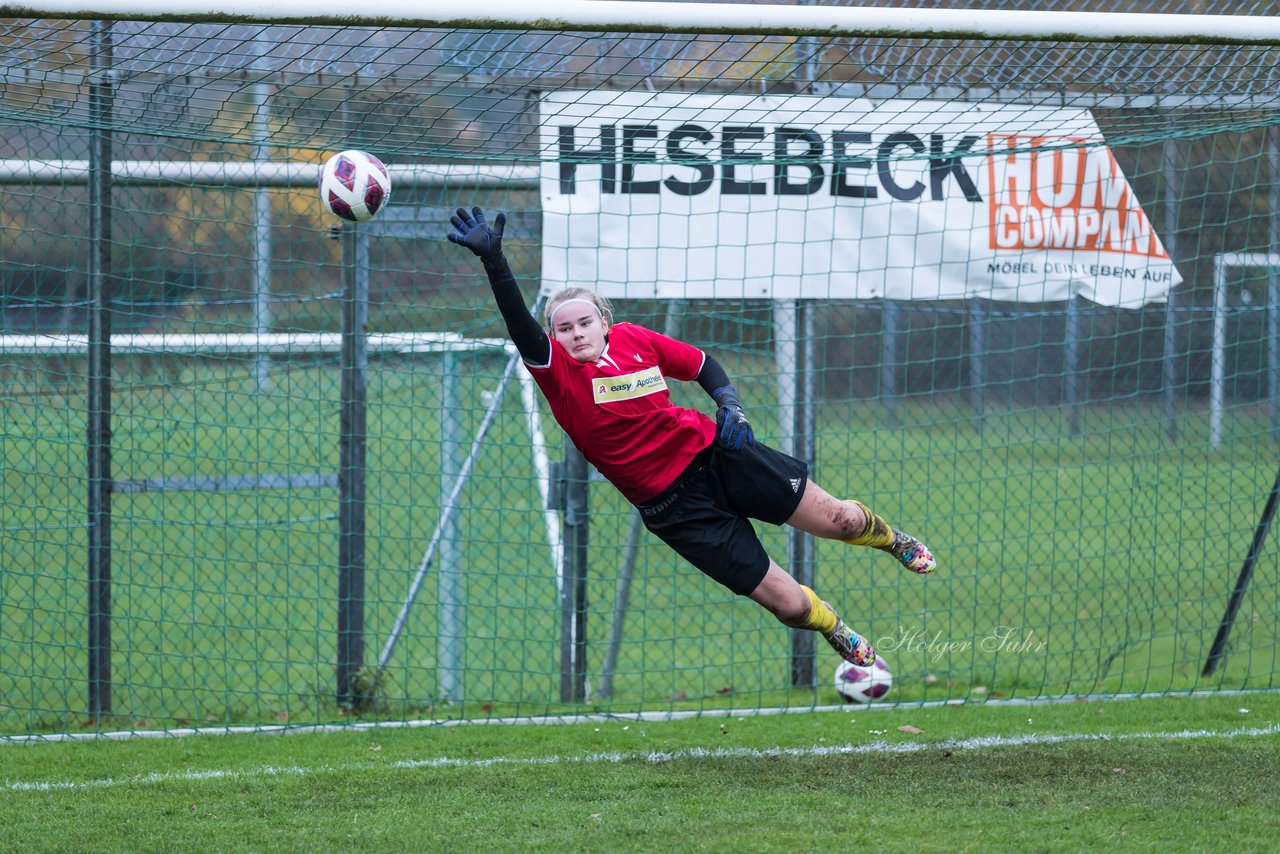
<point x="694" y="196"/>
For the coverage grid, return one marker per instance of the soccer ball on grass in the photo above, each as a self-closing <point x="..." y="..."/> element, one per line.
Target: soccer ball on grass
<point x="354" y="185"/>
<point x="863" y="684"/>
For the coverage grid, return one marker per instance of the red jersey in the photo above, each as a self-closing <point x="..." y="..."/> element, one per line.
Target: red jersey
<point x="618" y="412"/>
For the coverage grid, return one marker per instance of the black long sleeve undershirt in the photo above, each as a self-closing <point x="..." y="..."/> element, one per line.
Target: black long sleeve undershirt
<point x="523" y="327"/>
<point x="532" y="341"/>
<point x="712" y="377"/>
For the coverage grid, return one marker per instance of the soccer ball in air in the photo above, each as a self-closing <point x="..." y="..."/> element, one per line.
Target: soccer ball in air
<point x="863" y="684"/>
<point x="354" y="185"/>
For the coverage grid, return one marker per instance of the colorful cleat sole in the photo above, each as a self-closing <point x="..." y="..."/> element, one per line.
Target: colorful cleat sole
<point x="912" y="553"/>
<point x="850" y="645"/>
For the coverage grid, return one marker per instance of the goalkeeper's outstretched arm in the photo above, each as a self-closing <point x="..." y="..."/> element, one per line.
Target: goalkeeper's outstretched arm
<point x="474" y="232"/>
<point x="732" y="426"/>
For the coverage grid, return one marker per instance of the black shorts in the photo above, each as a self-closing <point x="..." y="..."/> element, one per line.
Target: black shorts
<point x="706" y="514"/>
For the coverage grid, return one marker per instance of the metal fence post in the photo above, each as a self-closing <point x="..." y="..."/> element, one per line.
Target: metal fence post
<point x="449" y="578"/>
<point x="351" y="465"/>
<point x="99" y="426"/>
<point x="573" y="590"/>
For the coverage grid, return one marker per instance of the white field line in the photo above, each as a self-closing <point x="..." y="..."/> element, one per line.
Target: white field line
<point x="601" y="717"/>
<point x="691" y="754"/>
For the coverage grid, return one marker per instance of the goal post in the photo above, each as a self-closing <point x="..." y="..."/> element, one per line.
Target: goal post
<point x="1222" y="265"/>
<point x="977" y="267"/>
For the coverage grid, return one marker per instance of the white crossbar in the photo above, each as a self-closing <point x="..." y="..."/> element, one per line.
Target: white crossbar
<point x="645" y="16"/>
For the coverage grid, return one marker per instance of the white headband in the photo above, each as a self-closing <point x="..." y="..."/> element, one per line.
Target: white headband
<point x="596" y="308"/>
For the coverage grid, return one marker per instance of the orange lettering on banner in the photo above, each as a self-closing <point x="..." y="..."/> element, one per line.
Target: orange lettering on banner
<point x="1065" y="192"/>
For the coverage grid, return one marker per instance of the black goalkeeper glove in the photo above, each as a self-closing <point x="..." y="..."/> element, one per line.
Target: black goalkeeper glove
<point x="473" y="232"/>
<point x="732" y="426"/>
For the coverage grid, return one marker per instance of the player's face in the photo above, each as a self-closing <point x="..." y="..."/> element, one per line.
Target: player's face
<point x="580" y="330"/>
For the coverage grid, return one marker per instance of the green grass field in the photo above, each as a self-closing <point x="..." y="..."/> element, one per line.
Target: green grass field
<point x="1176" y="773"/>
<point x="1071" y="564"/>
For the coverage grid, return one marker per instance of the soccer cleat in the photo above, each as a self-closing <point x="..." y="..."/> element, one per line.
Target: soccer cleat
<point x="912" y="553"/>
<point x="851" y="646"/>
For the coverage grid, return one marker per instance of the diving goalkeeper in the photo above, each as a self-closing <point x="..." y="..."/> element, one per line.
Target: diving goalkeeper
<point x="696" y="482"/>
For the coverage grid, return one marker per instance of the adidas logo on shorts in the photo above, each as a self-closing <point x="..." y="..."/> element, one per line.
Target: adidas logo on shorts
<point x="795" y="484"/>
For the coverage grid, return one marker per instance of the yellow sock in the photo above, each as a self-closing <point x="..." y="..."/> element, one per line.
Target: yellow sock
<point x="821" y="618"/>
<point x="878" y="535"/>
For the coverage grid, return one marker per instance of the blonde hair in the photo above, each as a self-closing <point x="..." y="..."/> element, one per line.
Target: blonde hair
<point x="559" y="298"/>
